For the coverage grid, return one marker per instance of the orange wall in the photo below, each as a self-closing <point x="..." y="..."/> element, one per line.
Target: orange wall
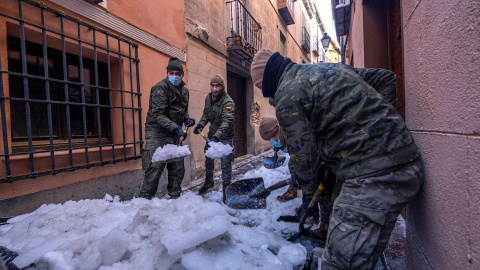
<point x="152" y="67"/>
<point x="163" y="19"/>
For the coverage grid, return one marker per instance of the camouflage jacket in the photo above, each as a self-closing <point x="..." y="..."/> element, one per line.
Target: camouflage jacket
<point x="384" y="81"/>
<point x="167" y="108"/>
<point x="329" y="112"/>
<point x="221" y="116"/>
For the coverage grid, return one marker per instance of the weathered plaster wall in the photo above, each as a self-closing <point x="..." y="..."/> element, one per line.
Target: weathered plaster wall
<point x="442" y="108"/>
<point x="202" y="64"/>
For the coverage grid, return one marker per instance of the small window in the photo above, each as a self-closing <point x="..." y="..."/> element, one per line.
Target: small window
<point x="283" y="44"/>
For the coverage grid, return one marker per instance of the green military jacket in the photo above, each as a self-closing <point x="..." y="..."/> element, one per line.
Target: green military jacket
<point x="329" y="112"/>
<point x="221" y="116"/>
<point x="168" y="107"/>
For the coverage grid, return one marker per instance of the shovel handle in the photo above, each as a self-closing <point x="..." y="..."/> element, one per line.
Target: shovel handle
<point x="278" y="185"/>
<point x="315" y="199"/>
<point x="182" y="138"/>
<point x="269" y="190"/>
<point x="205" y="137"/>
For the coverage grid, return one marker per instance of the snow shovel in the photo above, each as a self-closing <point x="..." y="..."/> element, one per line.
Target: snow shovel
<point x="6" y="258"/>
<point x="175" y="159"/>
<point x="275" y="161"/>
<point x="205" y="137"/>
<point x="208" y="141"/>
<point x="250" y="193"/>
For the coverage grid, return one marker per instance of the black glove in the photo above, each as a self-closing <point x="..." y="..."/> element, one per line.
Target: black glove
<point x="198" y="129"/>
<point x="180" y="133"/>
<point x="215" y="139"/>
<point x="189" y="122"/>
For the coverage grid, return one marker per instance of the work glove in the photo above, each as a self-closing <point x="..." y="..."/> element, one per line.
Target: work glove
<point x="189" y="122"/>
<point x="180" y="133"/>
<point x="198" y="129"/>
<point x="295" y="181"/>
<point x="215" y="139"/>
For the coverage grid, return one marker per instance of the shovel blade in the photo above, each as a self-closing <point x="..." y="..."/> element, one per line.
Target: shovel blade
<point x="173" y="159"/>
<point x="271" y="163"/>
<point x="242" y="194"/>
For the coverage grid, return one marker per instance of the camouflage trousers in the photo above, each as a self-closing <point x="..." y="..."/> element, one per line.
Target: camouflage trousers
<point x="153" y="171"/>
<point x="365" y="213"/>
<point x="226" y="163"/>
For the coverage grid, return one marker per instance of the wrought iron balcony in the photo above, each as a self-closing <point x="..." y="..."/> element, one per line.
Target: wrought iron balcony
<point x="315" y="45"/>
<point x="246" y="32"/>
<point x="285" y="8"/>
<point x="342" y="13"/>
<point x="305" y="40"/>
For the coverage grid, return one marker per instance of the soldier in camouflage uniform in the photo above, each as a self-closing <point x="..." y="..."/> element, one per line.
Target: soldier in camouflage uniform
<point x="219" y="111"/>
<point x="167" y="112"/>
<point x="329" y="112"/>
<point x="270" y="130"/>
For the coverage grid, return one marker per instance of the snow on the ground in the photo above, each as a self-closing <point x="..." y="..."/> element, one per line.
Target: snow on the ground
<point x="170" y="151"/>
<point x="218" y="150"/>
<point x="190" y="232"/>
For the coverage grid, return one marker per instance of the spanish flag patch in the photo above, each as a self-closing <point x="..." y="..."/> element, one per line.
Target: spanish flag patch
<point x="228" y="107"/>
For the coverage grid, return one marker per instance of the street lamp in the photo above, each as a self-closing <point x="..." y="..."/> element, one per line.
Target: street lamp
<point x="325" y="41"/>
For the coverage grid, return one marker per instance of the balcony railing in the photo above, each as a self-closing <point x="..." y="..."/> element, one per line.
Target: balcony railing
<point x="246" y="32"/>
<point x="315" y="45"/>
<point x="305" y="40"/>
<point x="285" y="8"/>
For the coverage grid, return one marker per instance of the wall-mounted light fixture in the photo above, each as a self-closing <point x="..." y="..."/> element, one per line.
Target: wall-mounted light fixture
<point x="325" y="41"/>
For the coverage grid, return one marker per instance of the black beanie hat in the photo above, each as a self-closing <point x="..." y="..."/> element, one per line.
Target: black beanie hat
<point x="174" y="64"/>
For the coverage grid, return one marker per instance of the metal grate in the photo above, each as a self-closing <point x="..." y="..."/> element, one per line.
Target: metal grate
<point x="78" y="80"/>
<point x="305" y="40"/>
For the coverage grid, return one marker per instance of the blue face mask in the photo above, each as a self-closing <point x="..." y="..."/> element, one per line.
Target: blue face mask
<point x="276" y="144"/>
<point x="175" y="80"/>
<point x="215" y="90"/>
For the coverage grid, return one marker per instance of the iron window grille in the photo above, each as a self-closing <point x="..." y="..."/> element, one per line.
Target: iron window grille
<point x="305" y="40"/>
<point x="69" y="95"/>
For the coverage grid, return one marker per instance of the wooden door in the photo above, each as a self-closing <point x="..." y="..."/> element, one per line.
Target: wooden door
<point x="237" y="90"/>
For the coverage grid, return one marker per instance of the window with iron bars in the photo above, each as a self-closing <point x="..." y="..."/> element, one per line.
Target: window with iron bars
<point x="69" y="94"/>
<point x="305" y="40"/>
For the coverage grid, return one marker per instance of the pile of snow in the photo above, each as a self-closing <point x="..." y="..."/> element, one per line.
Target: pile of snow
<point x="170" y="151"/>
<point x="218" y="150"/>
<point x="186" y="233"/>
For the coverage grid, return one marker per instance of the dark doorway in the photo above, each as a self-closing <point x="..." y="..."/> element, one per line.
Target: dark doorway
<point x="395" y="49"/>
<point x="237" y="90"/>
<point x="383" y="40"/>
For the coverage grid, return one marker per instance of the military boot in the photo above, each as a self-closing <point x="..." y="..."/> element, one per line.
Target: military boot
<point x="207" y="185"/>
<point x="224" y="187"/>
<point x="289" y="195"/>
<point x="319" y="235"/>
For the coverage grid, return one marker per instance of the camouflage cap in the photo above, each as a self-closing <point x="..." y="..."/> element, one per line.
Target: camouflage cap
<point x="258" y="65"/>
